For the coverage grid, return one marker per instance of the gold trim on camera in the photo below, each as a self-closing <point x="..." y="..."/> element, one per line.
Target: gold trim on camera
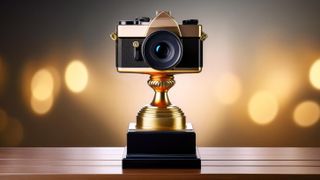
<point x="163" y="21"/>
<point x="147" y="70"/>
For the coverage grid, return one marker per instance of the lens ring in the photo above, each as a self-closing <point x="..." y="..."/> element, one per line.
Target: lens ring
<point x="169" y="57"/>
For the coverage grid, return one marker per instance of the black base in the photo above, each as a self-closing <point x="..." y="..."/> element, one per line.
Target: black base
<point x="161" y="149"/>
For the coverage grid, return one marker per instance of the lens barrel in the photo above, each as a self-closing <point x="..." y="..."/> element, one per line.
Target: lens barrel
<point x="162" y="50"/>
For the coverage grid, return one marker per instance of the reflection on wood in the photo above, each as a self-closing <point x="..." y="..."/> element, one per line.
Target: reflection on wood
<point x="95" y="163"/>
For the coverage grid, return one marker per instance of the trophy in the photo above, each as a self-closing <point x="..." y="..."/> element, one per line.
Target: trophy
<point x="160" y="47"/>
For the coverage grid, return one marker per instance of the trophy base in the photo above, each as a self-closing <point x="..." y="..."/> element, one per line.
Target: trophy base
<point x="161" y="149"/>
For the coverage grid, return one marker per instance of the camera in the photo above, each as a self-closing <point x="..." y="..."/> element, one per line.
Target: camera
<point x="159" y="45"/>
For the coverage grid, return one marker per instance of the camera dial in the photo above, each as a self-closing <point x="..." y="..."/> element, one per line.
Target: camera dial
<point x="190" y="22"/>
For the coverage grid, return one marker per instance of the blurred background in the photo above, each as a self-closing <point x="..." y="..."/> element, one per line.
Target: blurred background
<point x="260" y="85"/>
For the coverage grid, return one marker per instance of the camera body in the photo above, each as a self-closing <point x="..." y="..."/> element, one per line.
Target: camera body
<point x="159" y="45"/>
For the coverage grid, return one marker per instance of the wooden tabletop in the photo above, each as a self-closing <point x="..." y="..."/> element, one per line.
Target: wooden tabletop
<point x="100" y="163"/>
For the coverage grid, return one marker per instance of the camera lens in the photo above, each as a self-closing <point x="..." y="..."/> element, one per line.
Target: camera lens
<point x="162" y="50"/>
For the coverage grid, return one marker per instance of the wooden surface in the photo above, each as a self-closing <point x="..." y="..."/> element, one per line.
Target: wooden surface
<point x="101" y="163"/>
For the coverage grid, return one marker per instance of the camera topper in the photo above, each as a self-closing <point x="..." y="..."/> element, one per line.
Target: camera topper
<point x="161" y="48"/>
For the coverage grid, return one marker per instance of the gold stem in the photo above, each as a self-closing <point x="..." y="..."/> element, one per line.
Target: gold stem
<point x="161" y="99"/>
<point x="161" y="85"/>
<point x="161" y="114"/>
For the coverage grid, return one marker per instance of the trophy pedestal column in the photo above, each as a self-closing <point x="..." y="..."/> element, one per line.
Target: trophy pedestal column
<point x="161" y="138"/>
<point x="161" y="149"/>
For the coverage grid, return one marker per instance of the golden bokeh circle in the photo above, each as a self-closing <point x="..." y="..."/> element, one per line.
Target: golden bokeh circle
<point x="263" y="107"/>
<point x="42" y="85"/>
<point x="41" y="107"/>
<point x="76" y="76"/>
<point x="306" y="114"/>
<point x="314" y="74"/>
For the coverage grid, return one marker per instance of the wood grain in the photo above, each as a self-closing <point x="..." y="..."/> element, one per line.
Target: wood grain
<point x="100" y="163"/>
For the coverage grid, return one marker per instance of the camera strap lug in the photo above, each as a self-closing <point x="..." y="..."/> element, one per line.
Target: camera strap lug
<point x="114" y="36"/>
<point x="203" y="36"/>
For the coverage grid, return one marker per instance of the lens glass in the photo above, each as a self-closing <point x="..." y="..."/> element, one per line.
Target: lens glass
<point x="162" y="50"/>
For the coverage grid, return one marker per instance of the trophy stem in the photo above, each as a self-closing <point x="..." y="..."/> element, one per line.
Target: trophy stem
<point x="161" y="114"/>
<point x="161" y="85"/>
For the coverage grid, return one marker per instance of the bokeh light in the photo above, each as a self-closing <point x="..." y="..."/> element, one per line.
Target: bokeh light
<point x="228" y="88"/>
<point x="76" y="76"/>
<point x="43" y="89"/>
<point x="263" y="107"/>
<point x="41" y="107"/>
<point x="306" y="113"/>
<point x="314" y="74"/>
<point x="42" y="85"/>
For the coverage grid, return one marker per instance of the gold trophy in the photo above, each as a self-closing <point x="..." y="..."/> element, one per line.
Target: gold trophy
<point x="160" y="47"/>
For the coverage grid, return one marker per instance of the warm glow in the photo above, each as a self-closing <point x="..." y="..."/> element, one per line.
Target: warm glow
<point x="263" y="107"/>
<point x="281" y="82"/>
<point x="41" y="107"/>
<point x="314" y="74"/>
<point x="228" y="88"/>
<point x="76" y="76"/>
<point x="42" y="85"/>
<point x="306" y="113"/>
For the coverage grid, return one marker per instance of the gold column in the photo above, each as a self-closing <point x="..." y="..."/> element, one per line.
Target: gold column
<point x="161" y="114"/>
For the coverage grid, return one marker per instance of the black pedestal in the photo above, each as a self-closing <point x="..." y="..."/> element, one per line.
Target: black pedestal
<point x="161" y="149"/>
